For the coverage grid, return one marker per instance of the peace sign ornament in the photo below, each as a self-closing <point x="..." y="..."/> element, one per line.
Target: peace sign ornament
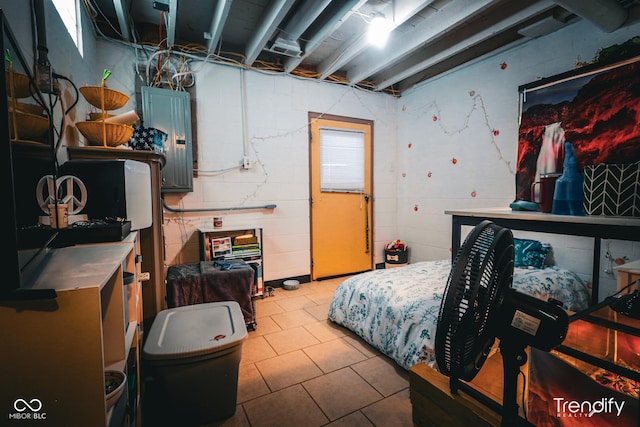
<point x="68" y="190"/>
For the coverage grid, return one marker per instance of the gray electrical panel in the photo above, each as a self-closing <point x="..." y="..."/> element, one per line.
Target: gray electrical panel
<point x="170" y="111"/>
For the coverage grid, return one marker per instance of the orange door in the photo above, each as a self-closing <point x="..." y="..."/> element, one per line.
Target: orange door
<point x="341" y="202"/>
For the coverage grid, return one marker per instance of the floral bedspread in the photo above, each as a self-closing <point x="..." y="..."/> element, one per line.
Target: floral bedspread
<point x="553" y="282"/>
<point x="396" y="310"/>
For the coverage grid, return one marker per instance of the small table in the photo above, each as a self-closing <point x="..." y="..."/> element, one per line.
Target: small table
<point x="628" y="273"/>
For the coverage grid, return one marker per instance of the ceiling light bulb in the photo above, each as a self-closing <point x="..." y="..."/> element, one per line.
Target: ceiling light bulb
<point x="379" y="29"/>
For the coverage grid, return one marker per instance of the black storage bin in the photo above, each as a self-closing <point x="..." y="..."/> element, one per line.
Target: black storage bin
<point x="396" y="257"/>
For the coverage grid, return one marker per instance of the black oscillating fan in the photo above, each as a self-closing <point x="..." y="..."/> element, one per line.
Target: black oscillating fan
<point x="479" y="306"/>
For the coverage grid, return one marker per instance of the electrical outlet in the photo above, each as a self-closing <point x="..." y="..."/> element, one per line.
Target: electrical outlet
<point x="43" y="78"/>
<point x="144" y="276"/>
<point x="246" y="162"/>
<point x="159" y="5"/>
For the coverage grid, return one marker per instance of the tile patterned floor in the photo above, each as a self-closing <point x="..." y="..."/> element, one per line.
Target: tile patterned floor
<point x="299" y="369"/>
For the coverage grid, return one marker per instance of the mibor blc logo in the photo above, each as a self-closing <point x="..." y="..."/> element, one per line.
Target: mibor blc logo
<point x="28" y="410"/>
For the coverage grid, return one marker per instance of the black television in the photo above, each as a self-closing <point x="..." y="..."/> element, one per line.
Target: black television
<point x="28" y="155"/>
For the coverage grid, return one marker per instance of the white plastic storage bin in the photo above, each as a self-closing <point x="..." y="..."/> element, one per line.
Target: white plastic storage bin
<point x="194" y="353"/>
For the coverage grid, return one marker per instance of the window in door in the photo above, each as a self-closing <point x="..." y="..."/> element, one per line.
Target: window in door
<point x="342" y="161"/>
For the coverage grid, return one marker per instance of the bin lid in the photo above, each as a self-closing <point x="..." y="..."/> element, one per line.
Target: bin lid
<point x="195" y="330"/>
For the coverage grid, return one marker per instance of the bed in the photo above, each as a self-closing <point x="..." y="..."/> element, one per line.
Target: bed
<point x="396" y="310"/>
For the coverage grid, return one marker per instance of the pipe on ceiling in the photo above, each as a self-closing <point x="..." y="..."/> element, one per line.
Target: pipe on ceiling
<point x="607" y="15"/>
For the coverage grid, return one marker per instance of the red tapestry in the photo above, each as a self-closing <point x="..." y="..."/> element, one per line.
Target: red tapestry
<point x="596" y="109"/>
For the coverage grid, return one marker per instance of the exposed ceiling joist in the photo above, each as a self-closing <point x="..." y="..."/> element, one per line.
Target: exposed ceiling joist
<point x="338" y="60"/>
<point x="402" y="44"/>
<point x="122" y="13"/>
<point x="342" y="57"/>
<point x="286" y="42"/>
<point x="490" y="46"/>
<point x="403" y="10"/>
<point x="420" y="61"/>
<point x="276" y="13"/>
<point x="607" y="15"/>
<point x="332" y="25"/>
<point x="303" y="18"/>
<point x="217" y="23"/>
<point x="171" y="22"/>
<point x="547" y="25"/>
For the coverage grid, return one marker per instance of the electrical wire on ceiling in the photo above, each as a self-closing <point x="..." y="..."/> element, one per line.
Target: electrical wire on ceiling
<point x="174" y="71"/>
<point x="94" y="11"/>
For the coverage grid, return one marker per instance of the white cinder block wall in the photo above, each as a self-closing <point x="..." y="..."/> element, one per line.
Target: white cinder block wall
<point x="273" y="132"/>
<point x="457" y="144"/>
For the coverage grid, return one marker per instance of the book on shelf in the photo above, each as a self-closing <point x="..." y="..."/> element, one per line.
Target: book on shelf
<point x="252" y="247"/>
<point x="245" y="239"/>
<point x="252" y="251"/>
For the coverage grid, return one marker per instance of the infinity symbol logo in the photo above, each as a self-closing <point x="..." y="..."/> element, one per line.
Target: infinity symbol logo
<point x="21" y="405"/>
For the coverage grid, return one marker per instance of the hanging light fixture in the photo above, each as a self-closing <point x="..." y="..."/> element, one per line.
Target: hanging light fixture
<point x="379" y="29"/>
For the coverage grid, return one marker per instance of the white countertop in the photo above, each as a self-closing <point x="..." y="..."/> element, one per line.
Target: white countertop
<point x="632" y="267"/>
<point x="508" y="213"/>
<point x="80" y="266"/>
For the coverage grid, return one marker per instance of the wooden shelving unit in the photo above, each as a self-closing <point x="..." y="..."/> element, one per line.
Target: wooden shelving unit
<point x="56" y="351"/>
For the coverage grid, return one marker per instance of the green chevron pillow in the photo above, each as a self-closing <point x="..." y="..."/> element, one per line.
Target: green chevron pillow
<point x="612" y="190"/>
